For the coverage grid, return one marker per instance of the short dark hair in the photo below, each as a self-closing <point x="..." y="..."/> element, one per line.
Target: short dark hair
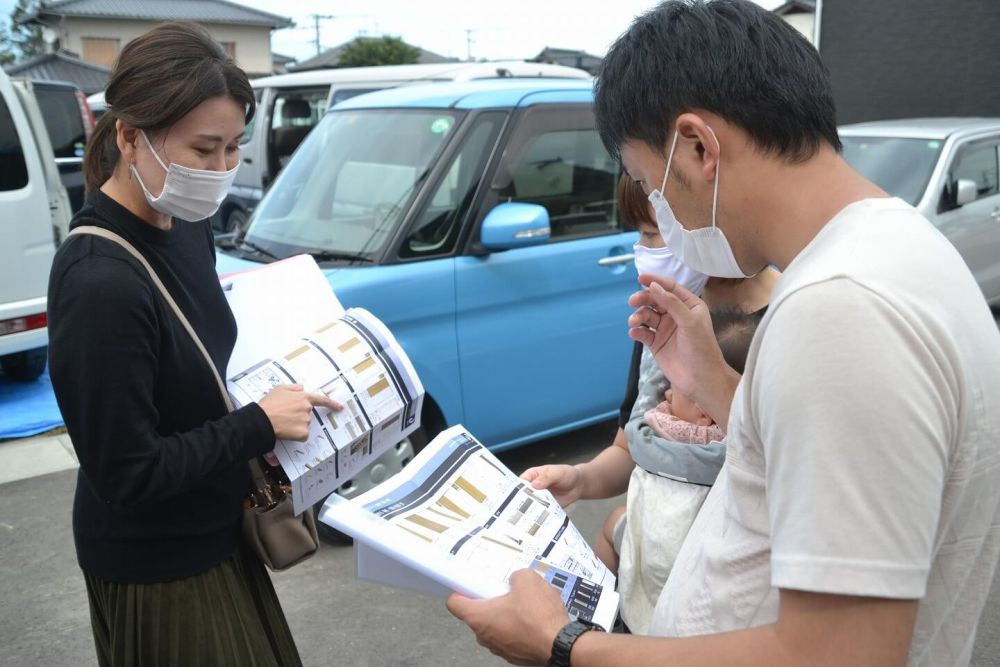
<point x="732" y="58"/>
<point x="734" y="329"/>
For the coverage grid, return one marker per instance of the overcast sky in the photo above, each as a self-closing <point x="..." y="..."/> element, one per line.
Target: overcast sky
<point x="509" y="29"/>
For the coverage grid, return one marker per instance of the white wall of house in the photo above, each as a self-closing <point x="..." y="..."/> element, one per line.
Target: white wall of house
<point x="803" y="22"/>
<point x="252" y="43"/>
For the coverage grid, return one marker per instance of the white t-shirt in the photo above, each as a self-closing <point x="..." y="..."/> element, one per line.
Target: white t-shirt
<point x="864" y="443"/>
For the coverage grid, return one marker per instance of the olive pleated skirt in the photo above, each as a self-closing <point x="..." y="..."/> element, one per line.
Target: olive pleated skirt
<point x="228" y="615"/>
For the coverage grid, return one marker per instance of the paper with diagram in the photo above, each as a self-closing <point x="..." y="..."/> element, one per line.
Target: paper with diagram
<point x="293" y="330"/>
<point x="456" y="519"/>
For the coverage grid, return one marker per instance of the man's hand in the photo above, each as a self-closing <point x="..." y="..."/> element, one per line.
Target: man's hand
<point x="677" y="328"/>
<point x="564" y="481"/>
<point x="521" y="626"/>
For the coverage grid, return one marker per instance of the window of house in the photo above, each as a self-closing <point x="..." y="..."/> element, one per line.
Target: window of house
<point x="100" y="50"/>
<point x="13" y="169"/>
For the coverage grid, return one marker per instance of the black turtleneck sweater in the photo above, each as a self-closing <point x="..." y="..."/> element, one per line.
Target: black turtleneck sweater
<point x="163" y="468"/>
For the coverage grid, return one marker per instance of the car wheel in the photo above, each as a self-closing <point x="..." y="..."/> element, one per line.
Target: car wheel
<point x="236" y="221"/>
<point x="25" y="366"/>
<point x="381" y="469"/>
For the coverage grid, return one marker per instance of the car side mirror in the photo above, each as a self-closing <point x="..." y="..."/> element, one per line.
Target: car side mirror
<point x="515" y="225"/>
<point x="965" y="192"/>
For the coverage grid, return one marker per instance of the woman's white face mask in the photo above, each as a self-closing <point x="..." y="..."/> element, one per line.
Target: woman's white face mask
<point x="188" y="194"/>
<point x="705" y="250"/>
<point x="664" y="263"/>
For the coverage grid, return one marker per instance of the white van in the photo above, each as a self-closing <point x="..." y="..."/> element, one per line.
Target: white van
<point x="33" y="204"/>
<point x="290" y="105"/>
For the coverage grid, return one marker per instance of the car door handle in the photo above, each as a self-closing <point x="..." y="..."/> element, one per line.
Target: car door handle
<point x="614" y="260"/>
<point x="995" y="214"/>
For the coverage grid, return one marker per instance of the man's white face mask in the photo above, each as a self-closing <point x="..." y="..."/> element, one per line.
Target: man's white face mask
<point x="188" y="194"/>
<point x="706" y="250"/>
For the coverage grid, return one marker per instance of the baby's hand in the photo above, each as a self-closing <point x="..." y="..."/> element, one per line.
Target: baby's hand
<point x="563" y="481"/>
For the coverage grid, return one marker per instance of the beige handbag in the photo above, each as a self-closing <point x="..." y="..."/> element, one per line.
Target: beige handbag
<point x="270" y="526"/>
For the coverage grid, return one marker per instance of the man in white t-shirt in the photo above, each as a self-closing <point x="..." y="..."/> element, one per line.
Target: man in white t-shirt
<point x="857" y="518"/>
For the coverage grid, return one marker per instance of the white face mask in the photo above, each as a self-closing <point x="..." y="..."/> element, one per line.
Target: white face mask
<point x="706" y="250"/>
<point x="664" y="263"/>
<point x="188" y="194"/>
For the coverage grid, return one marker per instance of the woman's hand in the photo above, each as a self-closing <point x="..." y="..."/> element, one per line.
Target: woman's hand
<point x="564" y="481"/>
<point x="290" y="408"/>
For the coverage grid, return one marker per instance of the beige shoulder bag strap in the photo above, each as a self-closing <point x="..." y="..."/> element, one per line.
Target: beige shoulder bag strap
<point x="111" y="236"/>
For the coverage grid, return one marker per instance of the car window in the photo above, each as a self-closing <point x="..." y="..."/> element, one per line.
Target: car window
<point x="978" y="164"/>
<point x="13" y="169"/>
<point x="61" y="111"/>
<point x="248" y="132"/>
<point x="349" y="187"/>
<point x="902" y="166"/>
<point x="436" y="230"/>
<point x="295" y="112"/>
<point x="347" y="93"/>
<point x="568" y="171"/>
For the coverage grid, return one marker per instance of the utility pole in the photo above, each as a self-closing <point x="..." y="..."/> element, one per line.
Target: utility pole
<point x="316" y="19"/>
<point x="468" y="43"/>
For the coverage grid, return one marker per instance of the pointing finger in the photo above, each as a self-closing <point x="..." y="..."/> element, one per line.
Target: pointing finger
<point x="323" y="401"/>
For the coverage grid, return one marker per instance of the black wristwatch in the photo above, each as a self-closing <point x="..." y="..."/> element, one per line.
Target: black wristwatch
<point x="564" y="641"/>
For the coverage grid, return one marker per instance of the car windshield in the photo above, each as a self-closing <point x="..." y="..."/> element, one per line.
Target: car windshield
<point x="349" y="184"/>
<point x="902" y="167"/>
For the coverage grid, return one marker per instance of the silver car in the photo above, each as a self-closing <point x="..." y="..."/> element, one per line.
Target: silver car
<point x="948" y="169"/>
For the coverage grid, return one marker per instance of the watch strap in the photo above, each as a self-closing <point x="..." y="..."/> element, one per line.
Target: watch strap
<point x="563" y="643"/>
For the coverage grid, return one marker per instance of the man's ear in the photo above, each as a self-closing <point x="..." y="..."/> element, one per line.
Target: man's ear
<point x="697" y="136"/>
<point x="126" y="137"/>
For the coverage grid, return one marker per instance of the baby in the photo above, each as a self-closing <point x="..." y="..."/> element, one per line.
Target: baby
<point x="680" y="419"/>
<point x="660" y="508"/>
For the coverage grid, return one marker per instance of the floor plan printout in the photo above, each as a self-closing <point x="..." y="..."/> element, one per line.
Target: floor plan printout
<point x="348" y="355"/>
<point x="457" y="519"/>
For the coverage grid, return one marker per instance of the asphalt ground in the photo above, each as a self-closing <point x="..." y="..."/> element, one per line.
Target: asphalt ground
<point x="336" y="619"/>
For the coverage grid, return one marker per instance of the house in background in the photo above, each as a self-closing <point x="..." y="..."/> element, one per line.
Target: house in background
<point x="63" y="66"/>
<point x="800" y="14"/>
<point x="280" y="63"/>
<point x="570" y="58"/>
<point x="331" y="57"/>
<point x="98" y="29"/>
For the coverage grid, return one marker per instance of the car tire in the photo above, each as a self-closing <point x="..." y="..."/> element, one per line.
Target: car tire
<point x="25" y="366"/>
<point x="392" y="462"/>
<point x="236" y="221"/>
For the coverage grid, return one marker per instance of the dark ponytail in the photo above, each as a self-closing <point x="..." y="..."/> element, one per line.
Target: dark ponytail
<point x="158" y="79"/>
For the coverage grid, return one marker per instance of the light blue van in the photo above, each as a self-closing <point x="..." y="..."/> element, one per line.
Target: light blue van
<point x="479" y="221"/>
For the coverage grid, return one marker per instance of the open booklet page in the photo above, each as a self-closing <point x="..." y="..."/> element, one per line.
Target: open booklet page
<point x="294" y="331"/>
<point x="457" y="519"/>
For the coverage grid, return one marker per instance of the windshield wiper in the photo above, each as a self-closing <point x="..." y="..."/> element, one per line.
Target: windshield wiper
<point x="329" y="255"/>
<point x="243" y="244"/>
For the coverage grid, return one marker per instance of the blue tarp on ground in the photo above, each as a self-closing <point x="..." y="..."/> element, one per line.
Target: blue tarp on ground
<point x="27" y="408"/>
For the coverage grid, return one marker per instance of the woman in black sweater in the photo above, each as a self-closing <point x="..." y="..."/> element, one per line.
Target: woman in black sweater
<point x="163" y="467"/>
